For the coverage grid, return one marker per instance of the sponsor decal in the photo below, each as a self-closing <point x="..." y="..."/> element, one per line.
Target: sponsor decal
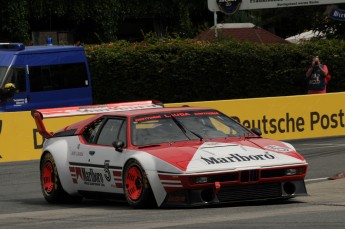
<point x="278" y="148"/>
<point x="89" y="176"/>
<point x="106" y="171"/>
<point x="38" y="140"/>
<point x="229" y="6"/>
<point x="176" y="114"/>
<point x="338" y="14"/>
<point x="118" y="179"/>
<point x="92" y="178"/>
<point x="77" y="154"/>
<point x="231" y="158"/>
<point x="20" y="102"/>
<point x="147" y="118"/>
<point x="290" y="124"/>
<point x="179" y="114"/>
<point x="94" y="109"/>
<point x="170" y="182"/>
<point x="210" y="113"/>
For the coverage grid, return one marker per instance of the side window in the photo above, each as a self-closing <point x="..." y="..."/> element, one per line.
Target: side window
<point x="56" y="77"/>
<point x="18" y="78"/>
<point x="113" y="130"/>
<point x="90" y="131"/>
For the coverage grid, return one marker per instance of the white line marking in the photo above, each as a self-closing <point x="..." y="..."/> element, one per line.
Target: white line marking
<point x="317" y="179"/>
<point x="171" y="181"/>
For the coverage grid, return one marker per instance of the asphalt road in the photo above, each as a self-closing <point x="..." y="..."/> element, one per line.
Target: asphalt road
<point x="22" y="204"/>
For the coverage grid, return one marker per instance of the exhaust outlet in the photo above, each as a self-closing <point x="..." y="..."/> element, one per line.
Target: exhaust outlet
<point x="289" y="188"/>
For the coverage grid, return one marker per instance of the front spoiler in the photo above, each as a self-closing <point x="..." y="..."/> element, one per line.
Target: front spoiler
<point x="237" y="194"/>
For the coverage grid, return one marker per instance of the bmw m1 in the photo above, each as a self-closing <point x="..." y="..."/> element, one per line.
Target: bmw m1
<point x="152" y="155"/>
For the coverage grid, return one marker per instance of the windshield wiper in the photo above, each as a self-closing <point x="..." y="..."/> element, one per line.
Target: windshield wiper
<point x="184" y="129"/>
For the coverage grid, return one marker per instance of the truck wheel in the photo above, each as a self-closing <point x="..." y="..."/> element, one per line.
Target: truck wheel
<point x="50" y="183"/>
<point x="137" y="188"/>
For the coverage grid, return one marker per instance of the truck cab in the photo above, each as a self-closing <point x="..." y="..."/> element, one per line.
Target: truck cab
<point x="48" y="76"/>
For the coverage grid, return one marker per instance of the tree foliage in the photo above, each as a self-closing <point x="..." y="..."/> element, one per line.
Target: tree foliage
<point x="98" y="21"/>
<point x="175" y="70"/>
<point x="14" y="23"/>
<point x="95" y="21"/>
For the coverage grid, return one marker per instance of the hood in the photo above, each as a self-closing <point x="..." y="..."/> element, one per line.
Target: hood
<point x="220" y="156"/>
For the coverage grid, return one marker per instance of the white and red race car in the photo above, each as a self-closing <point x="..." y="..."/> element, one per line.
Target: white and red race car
<point x="156" y="156"/>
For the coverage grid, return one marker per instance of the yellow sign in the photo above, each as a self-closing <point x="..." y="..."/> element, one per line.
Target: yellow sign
<point x="19" y="138"/>
<point x="291" y="117"/>
<point x="281" y="118"/>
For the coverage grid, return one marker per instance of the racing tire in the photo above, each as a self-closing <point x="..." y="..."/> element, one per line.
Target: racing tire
<point x="50" y="183"/>
<point x="136" y="187"/>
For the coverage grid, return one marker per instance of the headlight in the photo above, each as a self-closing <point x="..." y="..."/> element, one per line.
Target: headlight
<point x="290" y="172"/>
<point x="295" y="171"/>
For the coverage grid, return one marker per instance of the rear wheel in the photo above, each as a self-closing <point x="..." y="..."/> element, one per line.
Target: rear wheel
<point x="50" y="183"/>
<point x="137" y="188"/>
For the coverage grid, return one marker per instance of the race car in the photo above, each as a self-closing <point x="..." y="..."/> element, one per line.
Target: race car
<point x="154" y="156"/>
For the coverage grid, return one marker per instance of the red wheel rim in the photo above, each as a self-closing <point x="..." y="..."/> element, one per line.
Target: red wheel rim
<point x="47" y="177"/>
<point x="134" y="183"/>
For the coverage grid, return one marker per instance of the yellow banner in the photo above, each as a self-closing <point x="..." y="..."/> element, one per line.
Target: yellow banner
<point x="290" y="117"/>
<point x="19" y="138"/>
<point x="282" y="118"/>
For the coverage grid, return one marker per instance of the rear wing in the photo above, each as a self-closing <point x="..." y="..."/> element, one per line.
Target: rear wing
<point x="40" y="114"/>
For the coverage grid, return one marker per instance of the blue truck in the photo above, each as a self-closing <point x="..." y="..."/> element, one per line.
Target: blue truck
<point x="47" y="76"/>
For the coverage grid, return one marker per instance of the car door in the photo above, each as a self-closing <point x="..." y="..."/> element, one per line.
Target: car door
<point x="102" y="172"/>
<point x="79" y="156"/>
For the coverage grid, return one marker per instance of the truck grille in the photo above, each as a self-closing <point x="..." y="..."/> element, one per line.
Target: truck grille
<point x="249" y="192"/>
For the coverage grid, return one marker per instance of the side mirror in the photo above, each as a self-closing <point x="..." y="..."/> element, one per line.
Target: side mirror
<point x="118" y="145"/>
<point x="256" y="131"/>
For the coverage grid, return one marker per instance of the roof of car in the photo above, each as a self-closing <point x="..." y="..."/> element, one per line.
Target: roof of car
<point x="131" y="113"/>
<point x="155" y="110"/>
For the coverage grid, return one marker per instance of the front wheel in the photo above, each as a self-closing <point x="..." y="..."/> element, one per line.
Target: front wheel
<point x="50" y="182"/>
<point x="137" y="188"/>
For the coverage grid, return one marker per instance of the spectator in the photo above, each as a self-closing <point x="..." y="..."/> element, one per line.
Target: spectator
<point x="318" y="77"/>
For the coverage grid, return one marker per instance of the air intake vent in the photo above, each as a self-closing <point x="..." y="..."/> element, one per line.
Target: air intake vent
<point x="249" y="192"/>
<point x="250" y="176"/>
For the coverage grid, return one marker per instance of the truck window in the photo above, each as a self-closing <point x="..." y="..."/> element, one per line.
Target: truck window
<point x="15" y="75"/>
<point x="57" y="77"/>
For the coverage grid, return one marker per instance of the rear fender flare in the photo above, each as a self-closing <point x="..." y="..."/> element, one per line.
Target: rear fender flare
<point x="56" y="150"/>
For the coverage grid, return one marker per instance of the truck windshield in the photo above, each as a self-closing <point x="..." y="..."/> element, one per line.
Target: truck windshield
<point x="3" y="70"/>
<point x="15" y="75"/>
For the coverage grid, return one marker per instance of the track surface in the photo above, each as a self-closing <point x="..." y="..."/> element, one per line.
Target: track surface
<point x="22" y="204"/>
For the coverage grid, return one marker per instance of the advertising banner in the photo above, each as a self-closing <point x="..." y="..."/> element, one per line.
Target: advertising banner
<point x="337" y="14"/>
<point x="217" y="5"/>
<point x="266" y="4"/>
<point x="290" y="117"/>
<point x="281" y="118"/>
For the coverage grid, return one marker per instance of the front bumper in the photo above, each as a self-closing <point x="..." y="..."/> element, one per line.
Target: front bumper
<point x="236" y="193"/>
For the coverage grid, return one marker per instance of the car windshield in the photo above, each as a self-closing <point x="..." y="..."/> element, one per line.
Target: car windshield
<point x="185" y="125"/>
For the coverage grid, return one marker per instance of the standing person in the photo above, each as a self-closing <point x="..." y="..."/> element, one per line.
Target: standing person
<point x="318" y="77"/>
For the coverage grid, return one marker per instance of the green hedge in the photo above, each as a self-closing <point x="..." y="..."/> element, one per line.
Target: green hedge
<point x="187" y="70"/>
